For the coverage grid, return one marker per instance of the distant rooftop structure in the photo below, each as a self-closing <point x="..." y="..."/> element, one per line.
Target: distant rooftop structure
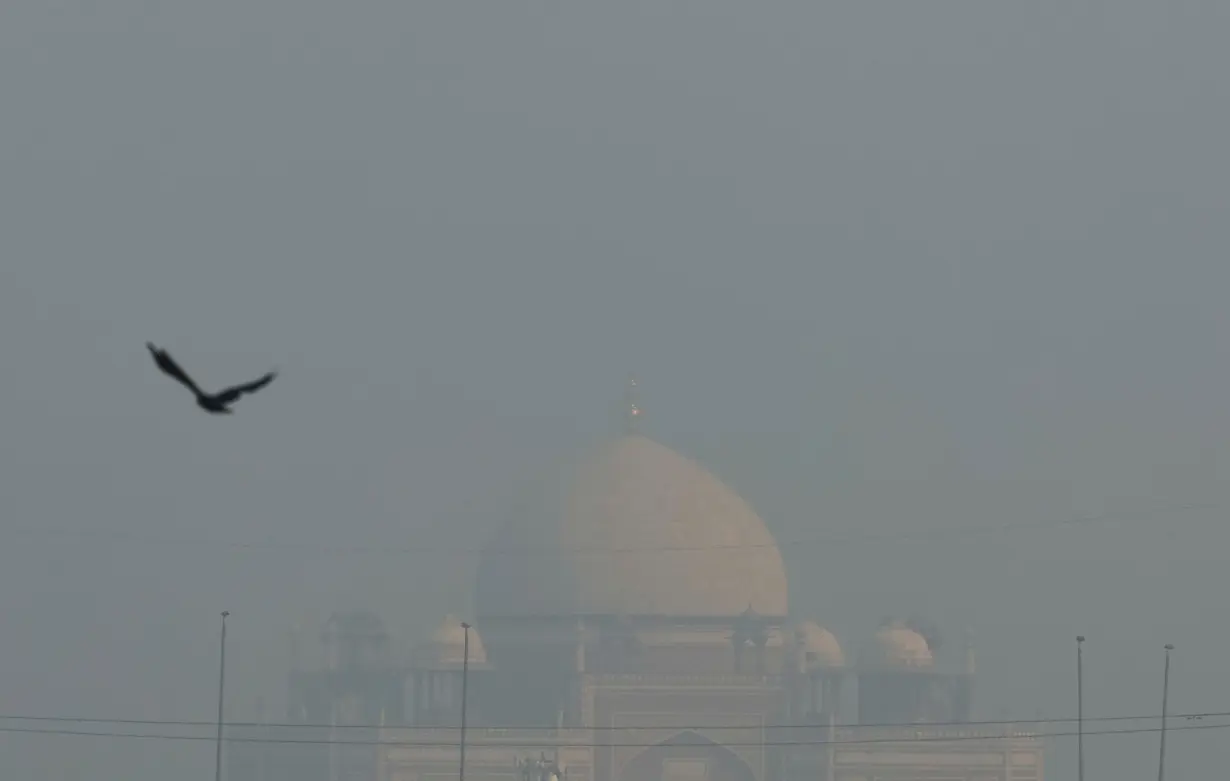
<point x="631" y="625"/>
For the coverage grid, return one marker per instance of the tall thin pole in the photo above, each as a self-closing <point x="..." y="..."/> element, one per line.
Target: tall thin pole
<point x="333" y="755"/>
<point x="221" y="695"/>
<point x="832" y="741"/>
<point x="465" y="676"/>
<point x="1080" y="709"/>
<point x="1161" y="754"/>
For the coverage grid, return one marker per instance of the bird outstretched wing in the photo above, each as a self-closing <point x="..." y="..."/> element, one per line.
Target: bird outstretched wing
<point x="231" y="394"/>
<point x="171" y="368"/>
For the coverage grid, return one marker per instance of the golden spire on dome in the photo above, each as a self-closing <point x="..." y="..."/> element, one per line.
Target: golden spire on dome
<point x="632" y="412"/>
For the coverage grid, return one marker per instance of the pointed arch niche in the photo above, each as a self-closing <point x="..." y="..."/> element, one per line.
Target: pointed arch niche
<point x="687" y="756"/>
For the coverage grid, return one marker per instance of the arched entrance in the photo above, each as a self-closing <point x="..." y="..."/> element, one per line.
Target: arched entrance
<point x="687" y="757"/>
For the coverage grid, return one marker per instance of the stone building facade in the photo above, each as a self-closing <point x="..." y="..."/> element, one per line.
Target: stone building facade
<point x="631" y="624"/>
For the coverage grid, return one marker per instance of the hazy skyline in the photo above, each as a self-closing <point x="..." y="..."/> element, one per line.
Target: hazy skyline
<point x="884" y="268"/>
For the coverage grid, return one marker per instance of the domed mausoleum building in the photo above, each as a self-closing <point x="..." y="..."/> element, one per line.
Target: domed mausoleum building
<point x="631" y="623"/>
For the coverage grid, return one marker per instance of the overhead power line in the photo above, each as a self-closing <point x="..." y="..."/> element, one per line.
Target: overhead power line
<point x="545" y="745"/>
<point x="619" y="727"/>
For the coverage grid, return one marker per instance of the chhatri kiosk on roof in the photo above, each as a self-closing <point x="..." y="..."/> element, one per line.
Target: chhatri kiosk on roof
<point x="631" y="623"/>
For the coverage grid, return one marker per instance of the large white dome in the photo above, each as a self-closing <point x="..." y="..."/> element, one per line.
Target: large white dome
<point x="633" y="530"/>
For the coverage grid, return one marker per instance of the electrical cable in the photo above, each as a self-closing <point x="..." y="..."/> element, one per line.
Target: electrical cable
<point x="615" y="728"/>
<point x="564" y="744"/>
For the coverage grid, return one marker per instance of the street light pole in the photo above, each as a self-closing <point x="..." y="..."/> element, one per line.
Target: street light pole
<point x="1161" y="755"/>
<point x="221" y="694"/>
<point x="465" y="676"/>
<point x="1080" y="708"/>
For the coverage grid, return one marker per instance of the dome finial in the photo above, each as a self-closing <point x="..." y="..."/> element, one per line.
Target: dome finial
<point x="632" y="411"/>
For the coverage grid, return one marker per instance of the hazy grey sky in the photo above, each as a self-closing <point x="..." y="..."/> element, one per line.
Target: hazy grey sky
<point x="885" y="267"/>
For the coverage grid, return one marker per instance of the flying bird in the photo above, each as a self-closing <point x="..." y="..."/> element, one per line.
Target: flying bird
<point x="214" y="403"/>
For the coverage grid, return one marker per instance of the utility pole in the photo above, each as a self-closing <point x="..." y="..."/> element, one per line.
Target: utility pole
<point x="465" y="676"/>
<point x="1080" y="709"/>
<point x="221" y="696"/>
<point x="1161" y="754"/>
<point x="333" y="757"/>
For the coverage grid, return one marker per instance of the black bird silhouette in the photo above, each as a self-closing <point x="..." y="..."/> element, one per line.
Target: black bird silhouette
<point x="215" y="403"/>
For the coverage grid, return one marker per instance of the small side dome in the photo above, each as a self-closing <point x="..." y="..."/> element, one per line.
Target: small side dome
<point x="896" y="645"/>
<point x="819" y="645"/>
<point x="446" y="647"/>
